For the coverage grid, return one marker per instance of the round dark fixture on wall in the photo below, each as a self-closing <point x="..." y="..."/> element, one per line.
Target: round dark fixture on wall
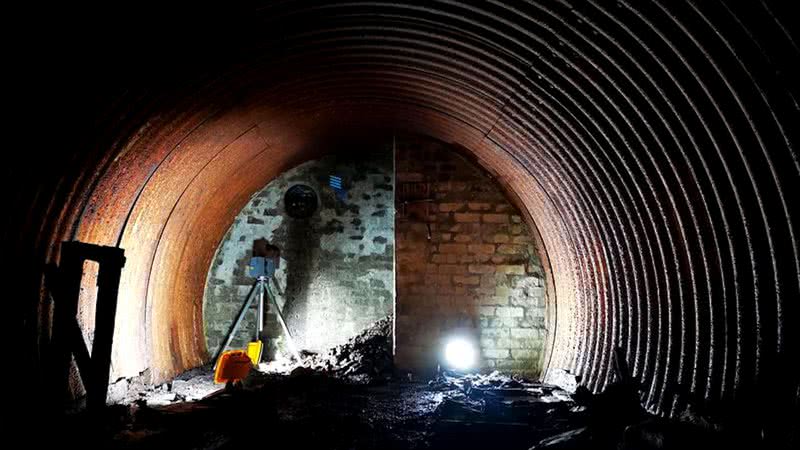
<point x="300" y="201"/>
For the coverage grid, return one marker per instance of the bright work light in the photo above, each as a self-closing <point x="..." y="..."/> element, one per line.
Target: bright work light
<point x="460" y="354"/>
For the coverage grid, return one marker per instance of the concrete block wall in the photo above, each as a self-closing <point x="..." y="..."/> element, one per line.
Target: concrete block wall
<point x="337" y="267"/>
<point x="466" y="263"/>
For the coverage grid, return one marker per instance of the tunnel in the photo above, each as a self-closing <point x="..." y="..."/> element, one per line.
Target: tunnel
<point x="651" y="146"/>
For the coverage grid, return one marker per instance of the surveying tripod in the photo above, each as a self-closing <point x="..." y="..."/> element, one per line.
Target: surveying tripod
<point x="260" y="289"/>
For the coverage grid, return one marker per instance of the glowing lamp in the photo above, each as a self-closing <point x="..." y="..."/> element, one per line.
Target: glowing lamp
<point x="460" y="354"/>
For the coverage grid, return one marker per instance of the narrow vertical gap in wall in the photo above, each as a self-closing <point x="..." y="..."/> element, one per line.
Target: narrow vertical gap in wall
<point x="394" y="254"/>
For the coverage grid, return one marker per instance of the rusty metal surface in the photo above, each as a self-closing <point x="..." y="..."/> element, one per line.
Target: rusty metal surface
<point x="652" y="144"/>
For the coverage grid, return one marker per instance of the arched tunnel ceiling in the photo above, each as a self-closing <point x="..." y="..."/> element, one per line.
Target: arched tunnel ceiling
<point x="651" y="143"/>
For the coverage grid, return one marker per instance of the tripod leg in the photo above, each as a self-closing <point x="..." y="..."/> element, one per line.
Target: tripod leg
<point x="235" y="326"/>
<point x="260" y="320"/>
<point x="289" y="339"/>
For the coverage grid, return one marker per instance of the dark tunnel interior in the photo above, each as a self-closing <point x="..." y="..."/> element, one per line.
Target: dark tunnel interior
<point x="650" y="147"/>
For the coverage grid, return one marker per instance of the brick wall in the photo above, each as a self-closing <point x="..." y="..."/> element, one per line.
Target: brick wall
<point x="337" y="267"/>
<point x="465" y="264"/>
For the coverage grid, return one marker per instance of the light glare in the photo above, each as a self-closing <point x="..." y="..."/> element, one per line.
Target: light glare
<point x="459" y="354"/>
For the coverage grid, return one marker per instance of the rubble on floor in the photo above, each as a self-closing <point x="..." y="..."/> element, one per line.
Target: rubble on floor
<point x="364" y="359"/>
<point x="346" y="398"/>
<point x="575" y="438"/>
<point x="192" y="385"/>
<point x="495" y="409"/>
<point x="326" y="409"/>
<point x="564" y="379"/>
<point x="504" y="397"/>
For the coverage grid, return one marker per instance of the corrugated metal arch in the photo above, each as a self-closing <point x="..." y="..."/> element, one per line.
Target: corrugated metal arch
<point x="651" y="143"/>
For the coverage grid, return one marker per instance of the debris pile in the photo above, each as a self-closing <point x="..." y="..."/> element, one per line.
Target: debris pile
<point x="481" y="410"/>
<point x="496" y="385"/>
<point x="363" y="359"/>
<point x="335" y="394"/>
<point x="192" y="385"/>
<point x="498" y="410"/>
<point x="564" y="379"/>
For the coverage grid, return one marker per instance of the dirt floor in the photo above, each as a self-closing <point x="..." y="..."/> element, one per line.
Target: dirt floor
<point x="351" y="397"/>
<point x="309" y="410"/>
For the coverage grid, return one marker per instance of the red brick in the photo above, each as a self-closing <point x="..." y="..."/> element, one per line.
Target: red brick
<point x="437" y="259"/>
<point x="467" y="217"/>
<point x="473" y="228"/>
<point x="481" y="248"/>
<point x="408" y="278"/>
<point x="495" y="218"/>
<point x="419" y="228"/>
<point x="462" y="238"/>
<point x="500" y="238"/>
<point x="451" y="207"/>
<point x="414" y="266"/>
<point x="472" y="280"/>
<point x="483" y="257"/>
<point x="437" y="279"/>
<point x="452" y="269"/>
<point x="452" y="248"/>
<point x="453" y="289"/>
<point x="480" y="206"/>
<point x="481" y="268"/>
<point x="441" y="237"/>
<point x="446" y="289"/>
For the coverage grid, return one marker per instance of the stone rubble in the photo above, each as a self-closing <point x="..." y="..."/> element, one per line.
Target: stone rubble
<point x="363" y="359"/>
<point x="564" y="379"/>
<point x="465" y="411"/>
<point x="454" y="410"/>
<point x="192" y="385"/>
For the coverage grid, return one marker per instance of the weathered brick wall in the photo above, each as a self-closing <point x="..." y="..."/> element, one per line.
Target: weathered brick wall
<point x="337" y="267"/>
<point x="465" y="262"/>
